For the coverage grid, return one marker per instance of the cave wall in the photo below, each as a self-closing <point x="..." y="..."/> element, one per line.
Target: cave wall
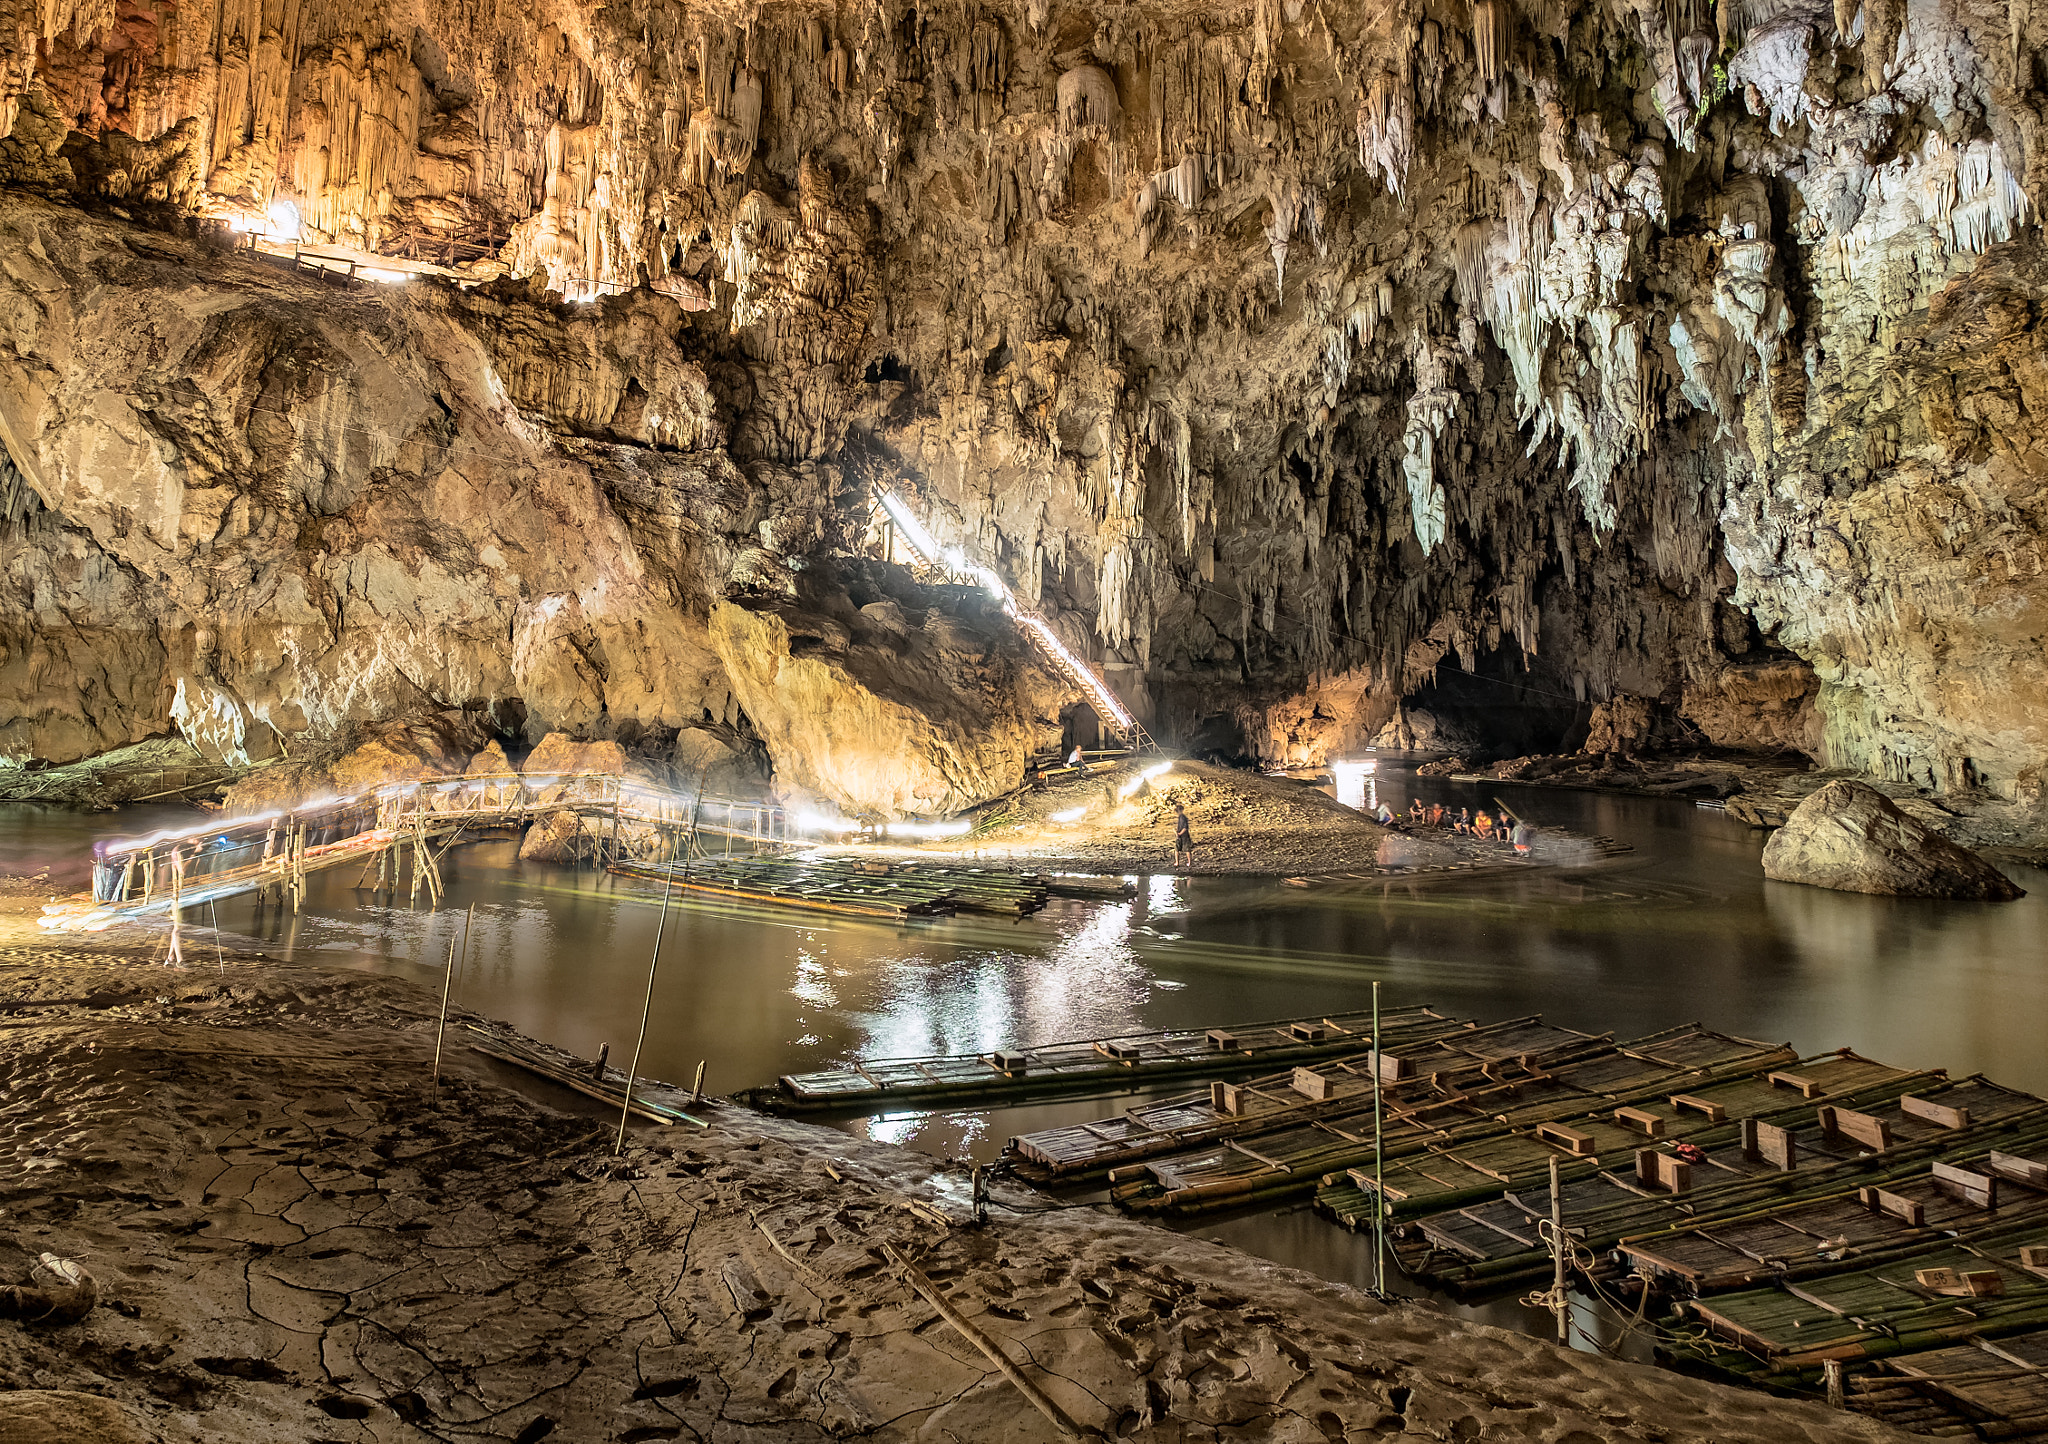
<point x="1281" y="353"/>
<point x="262" y="510"/>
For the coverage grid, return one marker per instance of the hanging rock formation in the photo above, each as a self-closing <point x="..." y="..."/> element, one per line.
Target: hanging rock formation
<point x="1284" y="357"/>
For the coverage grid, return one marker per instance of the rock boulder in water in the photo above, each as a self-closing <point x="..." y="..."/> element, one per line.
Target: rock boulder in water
<point x="1849" y="836"/>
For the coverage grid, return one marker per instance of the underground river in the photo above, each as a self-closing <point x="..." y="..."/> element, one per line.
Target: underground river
<point x="1683" y="929"/>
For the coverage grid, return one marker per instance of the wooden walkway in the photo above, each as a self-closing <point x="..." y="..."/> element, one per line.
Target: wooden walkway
<point x="850" y="886"/>
<point x="386" y="829"/>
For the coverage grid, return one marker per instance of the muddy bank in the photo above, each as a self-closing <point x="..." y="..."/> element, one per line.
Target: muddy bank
<point x="297" y="1236"/>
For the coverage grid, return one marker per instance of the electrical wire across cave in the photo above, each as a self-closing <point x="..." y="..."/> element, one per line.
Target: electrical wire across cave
<point x="1036" y="630"/>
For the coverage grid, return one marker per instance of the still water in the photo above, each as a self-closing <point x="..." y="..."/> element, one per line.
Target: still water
<point x="1683" y="929"/>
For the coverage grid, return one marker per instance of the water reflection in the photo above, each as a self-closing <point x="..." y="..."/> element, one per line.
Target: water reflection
<point x="1685" y="929"/>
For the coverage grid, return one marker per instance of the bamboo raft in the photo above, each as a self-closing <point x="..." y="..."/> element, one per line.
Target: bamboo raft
<point x="653" y="1100"/>
<point x="1084" y="1066"/>
<point x="1481" y="1121"/>
<point x="853" y="887"/>
<point x="1984" y="1388"/>
<point x="1490" y="1245"/>
<point x="1336" y="1089"/>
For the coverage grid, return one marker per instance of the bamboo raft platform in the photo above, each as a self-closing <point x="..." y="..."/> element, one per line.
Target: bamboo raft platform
<point x="1085" y="1066"/>
<point x="1335" y="1089"/>
<point x="1483" y="1120"/>
<point x="1487" y="1246"/>
<point x="1986" y="1388"/>
<point x="653" y="1100"/>
<point x="849" y="886"/>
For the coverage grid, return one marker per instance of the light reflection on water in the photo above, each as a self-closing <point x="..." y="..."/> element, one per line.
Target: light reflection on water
<point x="1684" y="930"/>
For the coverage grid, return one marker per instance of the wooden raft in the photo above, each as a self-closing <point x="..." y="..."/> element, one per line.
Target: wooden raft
<point x="1087" y="1065"/>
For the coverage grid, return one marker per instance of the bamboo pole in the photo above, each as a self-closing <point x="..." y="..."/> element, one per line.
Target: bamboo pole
<point x="1558" y="1303"/>
<point x="220" y="956"/>
<point x="646" y="1008"/>
<point x="447" y="987"/>
<point x="1379" y="1159"/>
<point x="1037" y="1397"/>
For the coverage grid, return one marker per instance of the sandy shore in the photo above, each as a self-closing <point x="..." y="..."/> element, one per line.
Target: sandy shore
<point x="296" y="1236"/>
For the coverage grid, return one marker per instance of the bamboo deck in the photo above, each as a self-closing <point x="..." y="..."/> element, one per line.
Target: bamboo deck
<point x="1463" y="1131"/>
<point x="1982" y="1389"/>
<point x="1089" y="1065"/>
<point x="1490" y="1245"/>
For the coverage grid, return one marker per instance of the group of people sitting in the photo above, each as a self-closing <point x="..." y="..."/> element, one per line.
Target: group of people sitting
<point x="1463" y="821"/>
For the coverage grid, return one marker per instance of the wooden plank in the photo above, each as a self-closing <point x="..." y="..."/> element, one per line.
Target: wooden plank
<point x="1804" y="1087"/>
<point x="1934" y="1112"/>
<point x="1979" y="1190"/>
<point x="1769" y="1144"/>
<point x="1642" y="1120"/>
<point x="2020" y="1170"/>
<point x="1663" y="1172"/>
<point x="1686" y="1102"/>
<point x="1909" y="1211"/>
<point x="1571" y="1140"/>
<point x="1312" y="1085"/>
<point x="1865" y="1128"/>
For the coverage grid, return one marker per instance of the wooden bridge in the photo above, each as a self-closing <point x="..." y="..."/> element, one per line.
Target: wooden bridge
<point x="385" y="829"/>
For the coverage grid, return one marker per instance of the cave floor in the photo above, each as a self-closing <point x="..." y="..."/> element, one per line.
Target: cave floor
<point x="297" y="1235"/>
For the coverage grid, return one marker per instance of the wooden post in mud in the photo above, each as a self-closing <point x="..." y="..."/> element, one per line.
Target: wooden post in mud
<point x="697" y="1088"/>
<point x="220" y="955"/>
<point x="1379" y="1174"/>
<point x="1559" y="1305"/>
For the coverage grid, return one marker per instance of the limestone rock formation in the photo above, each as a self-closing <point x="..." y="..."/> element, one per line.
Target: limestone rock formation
<point x="1853" y="838"/>
<point x="1286" y="358"/>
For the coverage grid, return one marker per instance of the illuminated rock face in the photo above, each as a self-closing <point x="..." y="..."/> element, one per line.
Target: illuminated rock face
<point x="1281" y="356"/>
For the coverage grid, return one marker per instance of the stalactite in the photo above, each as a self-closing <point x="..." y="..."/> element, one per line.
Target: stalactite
<point x="1490" y="34"/>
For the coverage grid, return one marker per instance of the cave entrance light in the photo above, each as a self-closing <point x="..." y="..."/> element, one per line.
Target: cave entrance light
<point x="1034" y="627"/>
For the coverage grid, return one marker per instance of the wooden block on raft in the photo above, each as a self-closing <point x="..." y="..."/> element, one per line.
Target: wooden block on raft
<point x="1226" y="1098"/>
<point x="1804" y="1087"/>
<point x="1121" y="1052"/>
<point x="1579" y="1145"/>
<point x="2034" y="1256"/>
<point x="1685" y="1102"/>
<point x="1663" y="1172"/>
<point x="2019" y="1170"/>
<point x="1012" y="1064"/>
<point x="1935" y="1113"/>
<point x="1642" y="1120"/>
<point x="1392" y="1069"/>
<point x="1313" y="1085"/>
<point x="1983" y="1283"/>
<point x="1307" y="1032"/>
<point x="1979" y="1190"/>
<point x="1895" y="1205"/>
<point x="1223" y="1040"/>
<point x="1866" y="1129"/>
<point x="1769" y="1144"/>
<point x="1962" y="1283"/>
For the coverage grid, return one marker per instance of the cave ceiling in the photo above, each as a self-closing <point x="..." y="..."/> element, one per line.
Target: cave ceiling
<point x="1281" y="355"/>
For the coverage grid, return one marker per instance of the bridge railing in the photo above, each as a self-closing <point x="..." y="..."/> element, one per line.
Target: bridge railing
<point x="247" y="850"/>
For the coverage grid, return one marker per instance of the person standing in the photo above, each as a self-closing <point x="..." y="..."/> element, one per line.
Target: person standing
<point x="1183" y="838"/>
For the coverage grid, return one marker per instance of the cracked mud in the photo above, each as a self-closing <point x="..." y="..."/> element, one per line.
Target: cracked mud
<point x="297" y="1236"/>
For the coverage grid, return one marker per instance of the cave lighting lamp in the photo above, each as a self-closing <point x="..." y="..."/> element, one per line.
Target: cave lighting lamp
<point x="818" y="822"/>
<point x="1157" y="769"/>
